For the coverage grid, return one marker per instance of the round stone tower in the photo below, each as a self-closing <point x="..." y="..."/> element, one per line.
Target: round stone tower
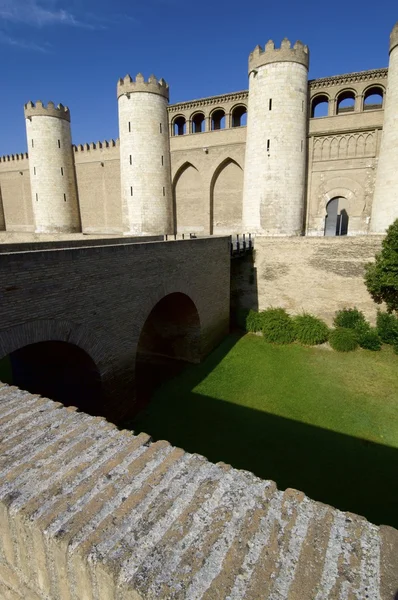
<point x="275" y="162"/>
<point x="145" y="155"/>
<point x="385" y="199"/>
<point x="52" y="168"/>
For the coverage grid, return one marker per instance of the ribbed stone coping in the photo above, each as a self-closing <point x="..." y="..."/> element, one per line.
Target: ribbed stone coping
<point x="88" y="512"/>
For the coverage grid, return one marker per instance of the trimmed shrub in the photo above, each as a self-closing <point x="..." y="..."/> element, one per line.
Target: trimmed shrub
<point x="310" y="330"/>
<point x="349" y="318"/>
<point x="387" y="326"/>
<point x="369" y="339"/>
<point x="254" y="321"/>
<point x="343" y="339"/>
<point x="278" y="326"/>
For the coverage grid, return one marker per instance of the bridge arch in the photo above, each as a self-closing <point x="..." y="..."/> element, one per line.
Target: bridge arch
<point x="170" y="336"/>
<point x="56" y="359"/>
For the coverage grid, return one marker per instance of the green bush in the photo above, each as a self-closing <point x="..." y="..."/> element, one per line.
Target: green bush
<point x="369" y="339"/>
<point x="349" y="318"/>
<point x="278" y="326"/>
<point x="310" y="330"/>
<point x="254" y="321"/>
<point x="381" y="277"/>
<point x="387" y="326"/>
<point x="343" y="339"/>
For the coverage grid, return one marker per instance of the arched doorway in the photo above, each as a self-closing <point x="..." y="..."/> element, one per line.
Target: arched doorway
<point x="336" y="221"/>
<point x="57" y="370"/>
<point x="169" y="339"/>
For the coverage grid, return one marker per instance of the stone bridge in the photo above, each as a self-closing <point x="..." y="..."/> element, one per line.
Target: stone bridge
<point x="76" y="321"/>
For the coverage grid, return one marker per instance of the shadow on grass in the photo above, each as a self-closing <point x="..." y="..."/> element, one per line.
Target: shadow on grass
<point x="349" y="473"/>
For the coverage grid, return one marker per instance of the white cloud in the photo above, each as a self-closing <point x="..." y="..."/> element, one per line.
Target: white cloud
<point x="39" y="13"/>
<point x="23" y="44"/>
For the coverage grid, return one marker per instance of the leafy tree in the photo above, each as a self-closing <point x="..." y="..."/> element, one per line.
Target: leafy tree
<point x="381" y="277"/>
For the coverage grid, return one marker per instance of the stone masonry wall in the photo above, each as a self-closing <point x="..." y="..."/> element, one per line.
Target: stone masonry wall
<point x="316" y="275"/>
<point x="99" y="297"/>
<point x="88" y="512"/>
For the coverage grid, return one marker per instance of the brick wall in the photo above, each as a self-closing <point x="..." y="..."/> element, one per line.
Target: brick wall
<point x="99" y="298"/>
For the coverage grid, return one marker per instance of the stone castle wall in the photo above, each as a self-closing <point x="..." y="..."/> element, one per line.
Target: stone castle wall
<point x="305" y="274"/>
<point x="207" y="167"/>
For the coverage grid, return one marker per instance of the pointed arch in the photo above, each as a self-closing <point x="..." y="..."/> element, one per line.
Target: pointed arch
<point x="317" y="151"/>
<point x="343" y="147"/>
<point x="360" y="145"/>
<point x="226" y="191"/>
<point x="326" y="149"/>
<point x="188" y="202"/>
<point x="351" y="150"/>
<point x="369" y="145"/>
<point x="334" y="148"/>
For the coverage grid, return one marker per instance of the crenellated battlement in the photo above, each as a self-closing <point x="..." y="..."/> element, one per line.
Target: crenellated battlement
<point x="96" y="145"/>
<point x="299" y="53"/>
<point x="14" y="157"/>
<point x="153" y="86"/>
<point x="41" y="110"/>
<point x="394" y="37"/>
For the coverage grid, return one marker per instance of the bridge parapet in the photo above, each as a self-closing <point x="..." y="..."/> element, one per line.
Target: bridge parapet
<point x="84" y="507"/>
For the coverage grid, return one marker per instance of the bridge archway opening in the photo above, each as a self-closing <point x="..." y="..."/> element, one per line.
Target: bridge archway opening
<point x="170" y="339"/>
<point x="57" y="370"/>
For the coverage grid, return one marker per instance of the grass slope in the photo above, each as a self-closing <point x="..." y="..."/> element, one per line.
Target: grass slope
<point x="309" y="418"/>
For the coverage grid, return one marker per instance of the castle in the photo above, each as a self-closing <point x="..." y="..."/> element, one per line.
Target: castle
<point x="196" y="167"/>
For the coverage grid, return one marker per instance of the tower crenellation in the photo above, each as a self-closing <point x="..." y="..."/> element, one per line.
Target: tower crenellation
<point x="394" y="37"/>
<point x="151" y="86"/>
<point x="385" y="206"/>
<point x="297" y="53"/>
<point x="276" y="140"/>
<point x="145" y="164"/>
<point x="52" y="168"/>
<point x="40" y="109"/>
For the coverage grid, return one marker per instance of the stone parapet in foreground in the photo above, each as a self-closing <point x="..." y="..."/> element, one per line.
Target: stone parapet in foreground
<point x="88" y="512"/>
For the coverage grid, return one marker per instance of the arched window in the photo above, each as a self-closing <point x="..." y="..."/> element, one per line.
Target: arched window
<point x="373" y="98"/>
<point x="319" y="106"/>
<point x="179" y="125"/>
<point x="336" y="221"/>
<point x="345" y="102"/>
<point x="198" y="123"/>
<point x="239" y="116"/>
<point x="218" y="119"/>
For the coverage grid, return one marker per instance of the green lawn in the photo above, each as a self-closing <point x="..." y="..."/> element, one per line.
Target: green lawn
<point x="309" y="418"/>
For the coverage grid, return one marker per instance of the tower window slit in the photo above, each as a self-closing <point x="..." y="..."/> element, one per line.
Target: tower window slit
<point x="131" y="191"/>
<point x="37" y="197"/>
<point x="64" y="197"/>
<point x="302" y="145"/>
<point x="160" y="127"/>
<point x="162" y="161"/>
<point x="131" y="159"/>
<point x="268" y="145"/>
<point x="33" y="144"/>
<point x="164" y="191"/>
<point x="34" y="170"/>
<point x="59" y="143"/>
<point x="270" y="104"/>
<point x="62" y="171"/>
<point x="129" y="127"/>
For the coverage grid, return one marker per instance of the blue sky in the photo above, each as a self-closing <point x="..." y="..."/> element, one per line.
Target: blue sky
<point x="73" y="51"/>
